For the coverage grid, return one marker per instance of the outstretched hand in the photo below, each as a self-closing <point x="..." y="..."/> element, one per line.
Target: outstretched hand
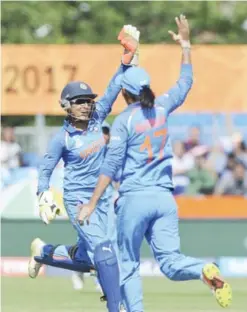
<point x="183" y="34"/>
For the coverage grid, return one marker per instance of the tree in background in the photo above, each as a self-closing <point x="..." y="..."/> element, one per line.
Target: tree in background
<point x="99" y="22"/>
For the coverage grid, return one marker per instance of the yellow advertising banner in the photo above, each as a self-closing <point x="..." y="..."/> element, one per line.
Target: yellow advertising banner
<point x="34" y="75"/>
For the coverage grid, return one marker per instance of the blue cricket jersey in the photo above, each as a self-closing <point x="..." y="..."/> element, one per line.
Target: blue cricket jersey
<point x="140" y="142"/>
<point x="82" y="151"/>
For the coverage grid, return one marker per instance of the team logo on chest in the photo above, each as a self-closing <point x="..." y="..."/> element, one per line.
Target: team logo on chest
<point x="77" y="141"/>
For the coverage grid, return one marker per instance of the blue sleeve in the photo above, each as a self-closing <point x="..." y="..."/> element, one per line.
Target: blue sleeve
<point x="105" y="103"/>
<point x="116" y="151"/>
<point x="177" y="94"/>
<point x="49" y="162"/>
<point x="118" y="176"/>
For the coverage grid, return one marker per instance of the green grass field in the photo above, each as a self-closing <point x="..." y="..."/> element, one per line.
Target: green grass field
<point x="56" y="295"/>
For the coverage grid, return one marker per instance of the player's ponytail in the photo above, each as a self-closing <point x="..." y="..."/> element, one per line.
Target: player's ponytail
<point x="147" y="97"/>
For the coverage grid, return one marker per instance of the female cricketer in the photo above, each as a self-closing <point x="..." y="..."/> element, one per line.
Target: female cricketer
<point x="140" y="144"/>
<point x="81" y="145"/>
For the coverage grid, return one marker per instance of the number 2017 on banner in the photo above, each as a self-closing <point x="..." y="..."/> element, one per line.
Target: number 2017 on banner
<point x="30" y="79"/>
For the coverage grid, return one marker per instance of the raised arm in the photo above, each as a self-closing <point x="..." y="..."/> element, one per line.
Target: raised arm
<point x="129" y="38"/>
<point x="105" y="103"/>
<point x="177" y="94"/>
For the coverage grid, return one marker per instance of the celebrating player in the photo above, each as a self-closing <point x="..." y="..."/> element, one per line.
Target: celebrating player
<point x="78" y="277"/>
<point x="80" y="143"/>
<point x="146" y="207"/>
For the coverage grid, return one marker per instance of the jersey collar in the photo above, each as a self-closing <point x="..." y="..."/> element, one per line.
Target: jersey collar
<point x="69" y="128"/>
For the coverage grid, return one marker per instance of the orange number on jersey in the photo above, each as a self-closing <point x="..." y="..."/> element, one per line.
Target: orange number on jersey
<point x="147" y="144"/>
<point x="158" y="133"/>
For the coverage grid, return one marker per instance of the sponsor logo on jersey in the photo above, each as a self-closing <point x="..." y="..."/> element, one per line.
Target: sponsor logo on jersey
<point x="78" y="142"/>
<point x="93" y="148"/>
<point x="115" y="138"/>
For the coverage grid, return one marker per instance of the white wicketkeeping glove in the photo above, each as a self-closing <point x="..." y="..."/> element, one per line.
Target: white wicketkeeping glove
<point x="129" y="37"/>
<point x="47" y="207"/>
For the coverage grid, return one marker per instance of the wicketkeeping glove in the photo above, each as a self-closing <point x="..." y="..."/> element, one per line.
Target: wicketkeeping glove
<point x="129" y="38"/>
<point x="47" y="207"/>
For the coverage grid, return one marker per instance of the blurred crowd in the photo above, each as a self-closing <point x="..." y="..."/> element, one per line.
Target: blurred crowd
<point x="198" y="169"/>
<point x="11" y="155"/>
<point x="206" y="170"/>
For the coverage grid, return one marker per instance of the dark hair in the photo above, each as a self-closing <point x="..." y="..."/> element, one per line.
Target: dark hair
<point x="106" y="130"/>
<point x="147" y="97"/>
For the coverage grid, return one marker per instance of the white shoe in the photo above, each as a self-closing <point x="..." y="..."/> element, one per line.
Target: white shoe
<point x="33" y="266"/>
<point x="122" y="308"/>
<point x="77" y="280"/>
<point x="98" y="288"/>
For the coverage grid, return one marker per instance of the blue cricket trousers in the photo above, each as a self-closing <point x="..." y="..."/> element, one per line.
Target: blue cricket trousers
<point x="152" y="215"/>
<point x="89" y="236"/>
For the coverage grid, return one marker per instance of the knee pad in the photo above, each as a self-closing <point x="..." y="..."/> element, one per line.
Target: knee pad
<point x="105" y="252"/>
<point x="48" y="250"/>
<point x="72" y="251"/>
<point x="67" y="262"/>
<point x="106" y="264"/>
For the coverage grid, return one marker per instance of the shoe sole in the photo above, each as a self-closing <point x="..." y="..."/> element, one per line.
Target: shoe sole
<point x="32" y="272"/>
<point x="222" y="290"/>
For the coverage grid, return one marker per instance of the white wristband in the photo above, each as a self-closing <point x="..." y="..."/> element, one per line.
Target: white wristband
<point x="185" y="44"/>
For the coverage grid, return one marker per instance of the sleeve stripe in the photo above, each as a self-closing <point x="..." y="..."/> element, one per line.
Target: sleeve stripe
<point x="130" y="118"/>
